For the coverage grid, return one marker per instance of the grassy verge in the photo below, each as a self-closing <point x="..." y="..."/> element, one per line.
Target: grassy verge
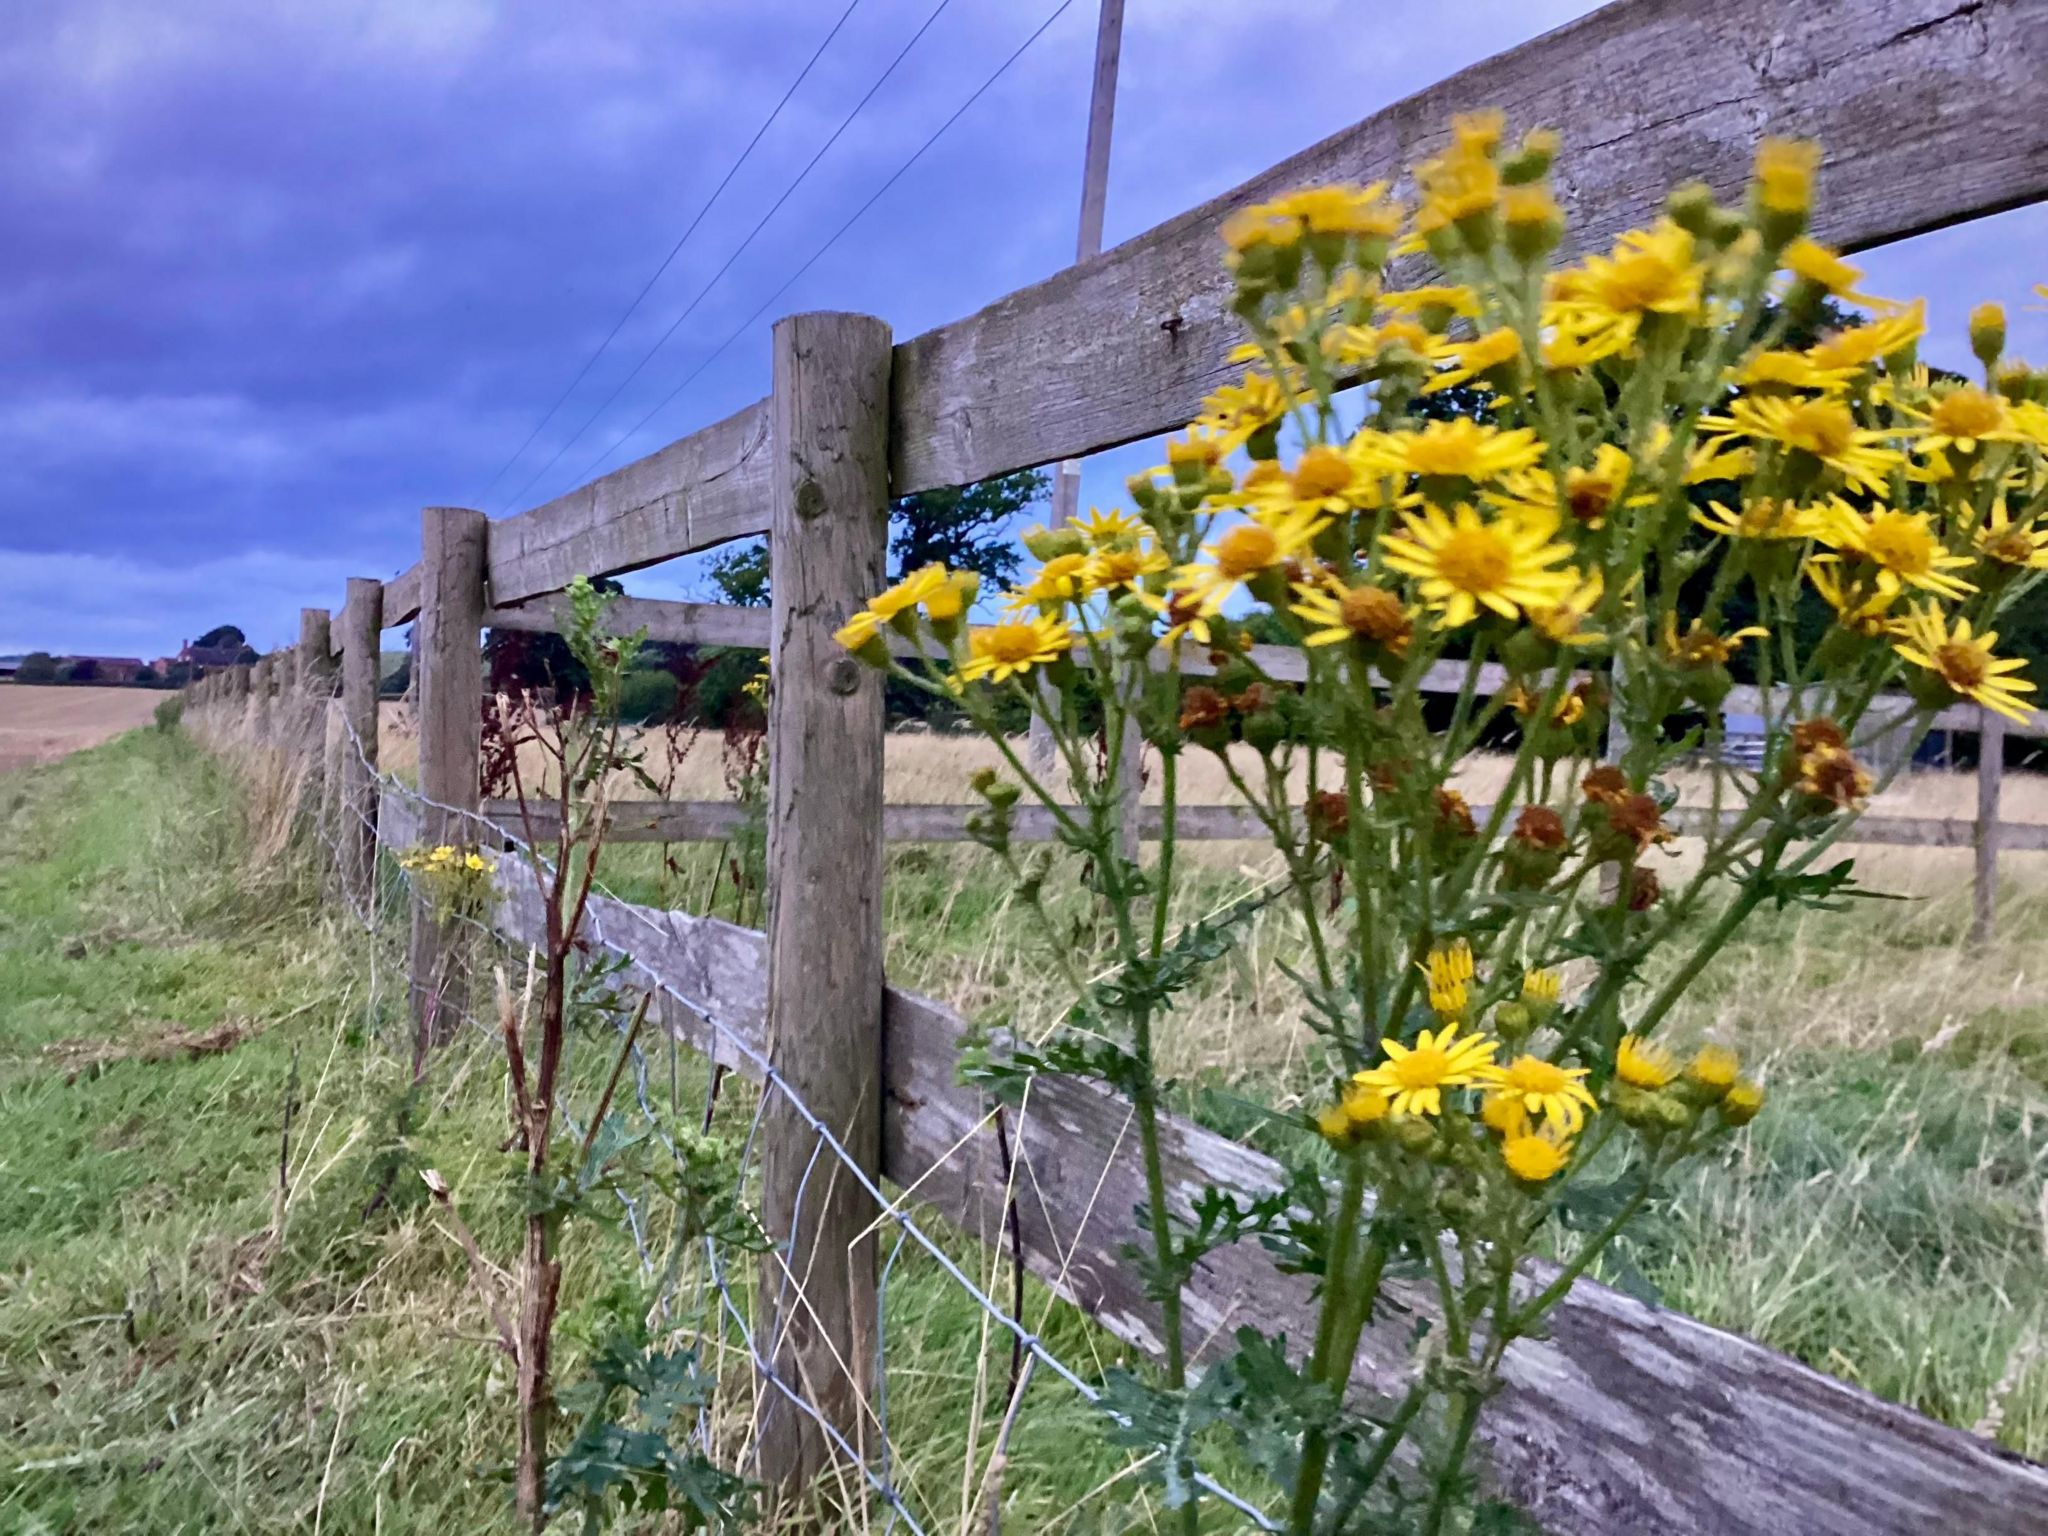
<point x="206" y="1324"/>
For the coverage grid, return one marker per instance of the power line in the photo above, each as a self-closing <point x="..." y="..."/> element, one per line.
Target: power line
<point x="674" y="250"/>
<point x="747" y="324"/>
<point x="760" y="224"/>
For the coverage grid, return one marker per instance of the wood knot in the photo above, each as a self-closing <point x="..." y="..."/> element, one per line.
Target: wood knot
<point x="810" y="499"/>
<point x="842" y="675"/>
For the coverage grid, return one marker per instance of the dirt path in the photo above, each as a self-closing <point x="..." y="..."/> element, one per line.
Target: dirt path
<point x="39" y="724"/>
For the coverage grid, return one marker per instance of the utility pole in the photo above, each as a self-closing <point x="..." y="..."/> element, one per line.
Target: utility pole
<point x="1109" y="47"/>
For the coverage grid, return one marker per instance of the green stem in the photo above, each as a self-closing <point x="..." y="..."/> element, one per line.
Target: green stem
<point x="1315" y="1444"/>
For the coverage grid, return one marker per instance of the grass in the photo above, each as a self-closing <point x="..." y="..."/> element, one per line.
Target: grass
<point x="191" y="1342"/>
<point x="188" y="1343"/>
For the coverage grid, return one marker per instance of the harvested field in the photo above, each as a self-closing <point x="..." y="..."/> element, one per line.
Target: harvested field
<point x="39" y="725"/>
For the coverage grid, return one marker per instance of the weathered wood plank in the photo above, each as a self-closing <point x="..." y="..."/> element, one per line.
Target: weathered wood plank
<point x="712" y="821"/>
<point x="672" y="622"/>
<point x="1931" y="111"/>
<point x="702" y="490"/>
<point x="1989" y="834"/>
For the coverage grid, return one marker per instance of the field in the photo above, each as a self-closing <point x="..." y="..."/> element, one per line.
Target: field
<point x="39" y="724"/>
<point x="191" y="1340"/>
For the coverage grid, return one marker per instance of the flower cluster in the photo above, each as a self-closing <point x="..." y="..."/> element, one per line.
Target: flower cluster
<point x="454" y="880"/>
<point x="1552" y="514"/>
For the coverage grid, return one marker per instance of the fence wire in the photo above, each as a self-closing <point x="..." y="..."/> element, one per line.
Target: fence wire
<point x="714" y="1304"/>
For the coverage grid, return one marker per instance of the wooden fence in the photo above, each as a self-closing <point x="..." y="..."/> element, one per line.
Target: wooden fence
<point x="1627" y="1419"/>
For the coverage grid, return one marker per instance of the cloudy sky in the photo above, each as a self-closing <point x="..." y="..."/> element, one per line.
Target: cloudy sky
<point x="275" y="276"/>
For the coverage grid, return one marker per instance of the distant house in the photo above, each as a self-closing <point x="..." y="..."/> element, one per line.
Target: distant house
<point x="202" y="659"/>
<point x="9" y="665"/>
<point x="113" y="670"/>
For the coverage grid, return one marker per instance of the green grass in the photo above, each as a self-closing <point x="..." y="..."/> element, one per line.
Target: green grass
<point x="173" y="1359"/>
<point x="176" y="1358"/>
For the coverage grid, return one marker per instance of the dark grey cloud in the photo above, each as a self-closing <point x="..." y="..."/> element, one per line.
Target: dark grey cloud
<point x="275" y="276"/>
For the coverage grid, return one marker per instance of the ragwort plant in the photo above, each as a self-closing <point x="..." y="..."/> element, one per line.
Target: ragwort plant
<point x="1656" y="480"/>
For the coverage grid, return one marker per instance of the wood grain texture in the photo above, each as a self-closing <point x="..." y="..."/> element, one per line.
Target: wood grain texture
<point x="673" y="622"/>
<point x="1930" y="110"/>
<point x="828" y="544"/>
<point x="362" y="622"/>
<point x="705" y="489"/>
<point x="450" y="677"/>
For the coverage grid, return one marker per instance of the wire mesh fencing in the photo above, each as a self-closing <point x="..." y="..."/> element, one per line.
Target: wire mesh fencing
<point x="978" y="1401"/>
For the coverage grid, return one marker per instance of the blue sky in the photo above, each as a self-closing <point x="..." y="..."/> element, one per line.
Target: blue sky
<point x="276" y="276"/>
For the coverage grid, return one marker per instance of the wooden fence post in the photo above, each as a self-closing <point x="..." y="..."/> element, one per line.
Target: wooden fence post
<point x="315" y="678"/>
<point x="261" y="679"/>
<point x="362" y="632"/>
<point x="448" y="635"/>
<point x="1990" y="779"/>
<point x="828" y="537"/>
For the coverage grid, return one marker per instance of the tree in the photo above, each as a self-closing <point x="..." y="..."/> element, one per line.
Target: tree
<point x="145" y="677"/>
<point x="516" y="660"/>
<point x="37" y="667"/>
<point x="960" y="527"/>
<point x="221" y="636"/>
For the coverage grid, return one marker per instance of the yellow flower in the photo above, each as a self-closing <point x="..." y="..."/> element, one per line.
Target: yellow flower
<point x="1124" y="565"/>
<point x="1062" y="579"/>
<point x="1414" y="1077"/>
<point x="1564" y="621"/>
<point x="1324" y="480"/>
<point x="1235" y="412"/>
<point x="1459" y="449"/>
<point x="906" y="594"/>
<point x="1449" y="298"/>
<point x="1858" y="606"/>
<point x="1784" y="174"/>
<point x="1334" y="613"/>
<point x="1966" y="417"/>
<point x="1742" y="1103"/>
<point x="1903" y="546"/>
<point x="1340" y="210"/>
<point x="1823" y="429"/>
<point x="1503" y="1115"/>
<point x="1789" y="370"/>
<point x="1462" y="562"/>
<point x="1963" y="660"/>
<point x="2022" y="544"/>
<point x="1542" y="987"/>
<point x="1814" y="262"/>
<point x="1558" y="1094"/>
<point x="1008" y="650"/>
<point x="1598" y="306"/>
<point x="1265" y="542"/>
<point x="1766" y="518"/>
<point x="1856" y="348"/>
<point x="1700" y="646"/>
<point x="1643" y="1065"/>
<point x="1469" y="359"/>
<point x="1535" y="1156"/>
<point x="1112" y="527"/>
<point x="1183" y="615"/>
<point x="1715" y="1068"/>
<point x="860" y="631"/>
<point x="948" y="602"/>
<point x="1461" y="183"/>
